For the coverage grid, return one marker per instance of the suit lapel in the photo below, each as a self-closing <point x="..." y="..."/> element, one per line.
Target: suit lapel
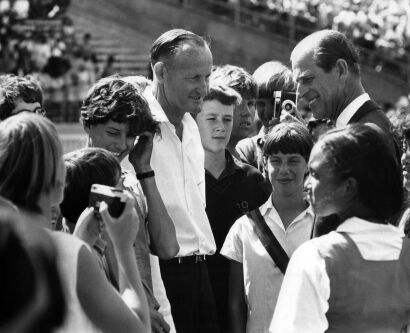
<point x="366" y="108"/>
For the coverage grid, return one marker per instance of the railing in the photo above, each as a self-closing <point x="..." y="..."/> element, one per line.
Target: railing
<point x="291" y="28"/>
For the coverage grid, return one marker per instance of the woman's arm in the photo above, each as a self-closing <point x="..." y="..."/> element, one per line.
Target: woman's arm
<point x="237" y="308"/>
<point x="99" y="299"/>
<point x="161" y="228"/>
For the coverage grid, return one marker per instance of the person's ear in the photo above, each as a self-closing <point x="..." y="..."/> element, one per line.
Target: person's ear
<point x="342" y="68"/>
<point x="86" y="128"/>
<point x="160" y="71"/>
<point x="351" y="187"/>
<point x="265" y="166"/>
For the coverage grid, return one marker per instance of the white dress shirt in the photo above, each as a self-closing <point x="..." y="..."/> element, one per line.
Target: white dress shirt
<point x="303" y="299"/>
<point x="180" y="175"/>
<point x="351" y="109"/>
<point x="262" y="278"/>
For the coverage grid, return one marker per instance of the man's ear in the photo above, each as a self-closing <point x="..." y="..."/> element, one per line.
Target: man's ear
<point x="351" y="187"/>
<point x="160" y="71"/>
<point x="265" y="166"/>
<point x="342" y="68"/>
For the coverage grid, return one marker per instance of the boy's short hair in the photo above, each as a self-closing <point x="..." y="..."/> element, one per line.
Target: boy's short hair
<point x="288" y="138"/>
<point x="112" y="98"/>
<point x="13" y="87"/>
<point x="223" y="94"/>
<point x="273" y="76"/>
<point x="236" y="78"/>
<point x="85" y="167"/>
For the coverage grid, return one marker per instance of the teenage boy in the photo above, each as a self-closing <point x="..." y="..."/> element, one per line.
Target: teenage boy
<point x="232" y="188"/>
<point x="243" y="83"/>
<point x="255" y="279"/>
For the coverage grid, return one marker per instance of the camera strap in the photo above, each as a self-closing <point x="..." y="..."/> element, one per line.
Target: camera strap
<point x="268" y="240"/>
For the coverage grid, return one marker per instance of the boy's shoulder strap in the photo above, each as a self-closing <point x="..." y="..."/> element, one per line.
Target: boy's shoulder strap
<point x="268" y="240"/>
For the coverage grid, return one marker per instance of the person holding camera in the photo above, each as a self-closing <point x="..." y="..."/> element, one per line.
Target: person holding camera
<point x="32" y="176"/>
<point x="271" y="77"/>
<point x="117" y="117"/>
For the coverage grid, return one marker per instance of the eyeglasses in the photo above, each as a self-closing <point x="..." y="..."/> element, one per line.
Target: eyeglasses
<point x="38" y="110"/>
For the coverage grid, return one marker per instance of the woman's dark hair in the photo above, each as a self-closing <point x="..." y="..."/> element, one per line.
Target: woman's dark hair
<point x="362" y="152"/>
<point x="112" y="98"/>
<point x="85" y="167"/>
<point x="288" y="138"/>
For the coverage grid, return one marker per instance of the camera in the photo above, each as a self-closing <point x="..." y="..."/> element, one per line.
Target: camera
<point x="113" y="197"/>
<point x="284" y="100"/>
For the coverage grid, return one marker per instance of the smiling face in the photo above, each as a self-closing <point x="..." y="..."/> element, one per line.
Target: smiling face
<point x="113" y="136"/>
<point x="243" y="117"/>
<point x="215" y="125"/>
<point x="286" y="173"/>
<point x="320" y="90"/>
<point x="325" y="192"/>
<point x="186" y="78"/>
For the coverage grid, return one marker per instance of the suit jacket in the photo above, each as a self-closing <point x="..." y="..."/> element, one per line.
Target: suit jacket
<point x="368" y="113"/>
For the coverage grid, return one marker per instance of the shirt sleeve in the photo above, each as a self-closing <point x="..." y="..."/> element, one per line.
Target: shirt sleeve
<point x="233" y="245"/>
<point x="304" y="295"/>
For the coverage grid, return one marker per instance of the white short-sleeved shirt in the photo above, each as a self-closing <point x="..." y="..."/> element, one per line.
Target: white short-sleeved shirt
<point x="262" y="278"/>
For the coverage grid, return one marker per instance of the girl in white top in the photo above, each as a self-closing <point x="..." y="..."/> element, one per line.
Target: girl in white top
<point x="32" y="176"/>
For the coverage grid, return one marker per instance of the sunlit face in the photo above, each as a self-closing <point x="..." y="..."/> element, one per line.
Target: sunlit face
<point x="325" y="191"/>
<point x="243" y="118"/>
<point x="264" y="107"/>
<point x="113" y="136"/>
<point x="322" y="91"/>
<point x="286" y="173"/>
<point x="215" y="125"/>
<point x="405" y="160"/>
<point x="186" y="78"/>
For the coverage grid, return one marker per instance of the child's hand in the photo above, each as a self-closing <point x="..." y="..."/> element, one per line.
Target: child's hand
<point x="88" y="227"/>
<point x="122" y="230"/>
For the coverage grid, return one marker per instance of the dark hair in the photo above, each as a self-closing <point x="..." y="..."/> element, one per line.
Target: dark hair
<point x="328" y="46"/>
<point x="167" y="44"/>
<point x="29" y="278"/>
<point x="273" y="76"/>
<point x="363" y="152"/>
<point x="13" y="87"/>
<point x="223" y="94"/>
<point x="112" y="98"/>
<point x="30" y="153"/>
<point x="236" y="78"/>
<point x="288" y="138"/>
<point x="85" y="167"/>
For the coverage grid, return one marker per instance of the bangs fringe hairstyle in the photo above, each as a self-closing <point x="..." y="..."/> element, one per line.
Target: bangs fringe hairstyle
<point x="236" y="78"/>
<point x="288" y="138"/>
<point x="224" y="95"/>
<point x="112" y="98"/>
<point x="85" y="167"/>
<point x="30" y="151"/>
<point x="363" y="153"/>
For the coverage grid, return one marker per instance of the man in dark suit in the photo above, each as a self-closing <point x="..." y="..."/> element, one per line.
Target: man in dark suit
<point x="326" y="68"/>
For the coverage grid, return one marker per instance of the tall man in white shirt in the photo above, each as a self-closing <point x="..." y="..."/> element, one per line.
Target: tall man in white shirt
<point x="182" y="63"/>
<point x="326" y="68"/>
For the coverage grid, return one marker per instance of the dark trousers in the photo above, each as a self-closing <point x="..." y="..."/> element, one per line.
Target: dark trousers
<point x="190" y="295"/>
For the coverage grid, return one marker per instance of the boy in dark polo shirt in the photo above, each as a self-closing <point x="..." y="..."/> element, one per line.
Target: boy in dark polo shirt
<point x="232" y="188"/>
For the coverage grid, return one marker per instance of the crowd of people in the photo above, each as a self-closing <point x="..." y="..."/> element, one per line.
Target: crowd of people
<point x="179" y="216"/>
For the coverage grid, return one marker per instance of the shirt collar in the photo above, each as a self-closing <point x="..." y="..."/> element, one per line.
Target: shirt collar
<point x="268" y="205"/>
<point x="355" y="225"/>
<point x="351" y="109"/>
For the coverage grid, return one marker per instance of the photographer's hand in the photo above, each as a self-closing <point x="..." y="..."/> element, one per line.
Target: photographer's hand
<point x="122" y="230"/>
<point x="140" y="154"/>
<point x="87" y="227"/>
<point x="286" y="117"/>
